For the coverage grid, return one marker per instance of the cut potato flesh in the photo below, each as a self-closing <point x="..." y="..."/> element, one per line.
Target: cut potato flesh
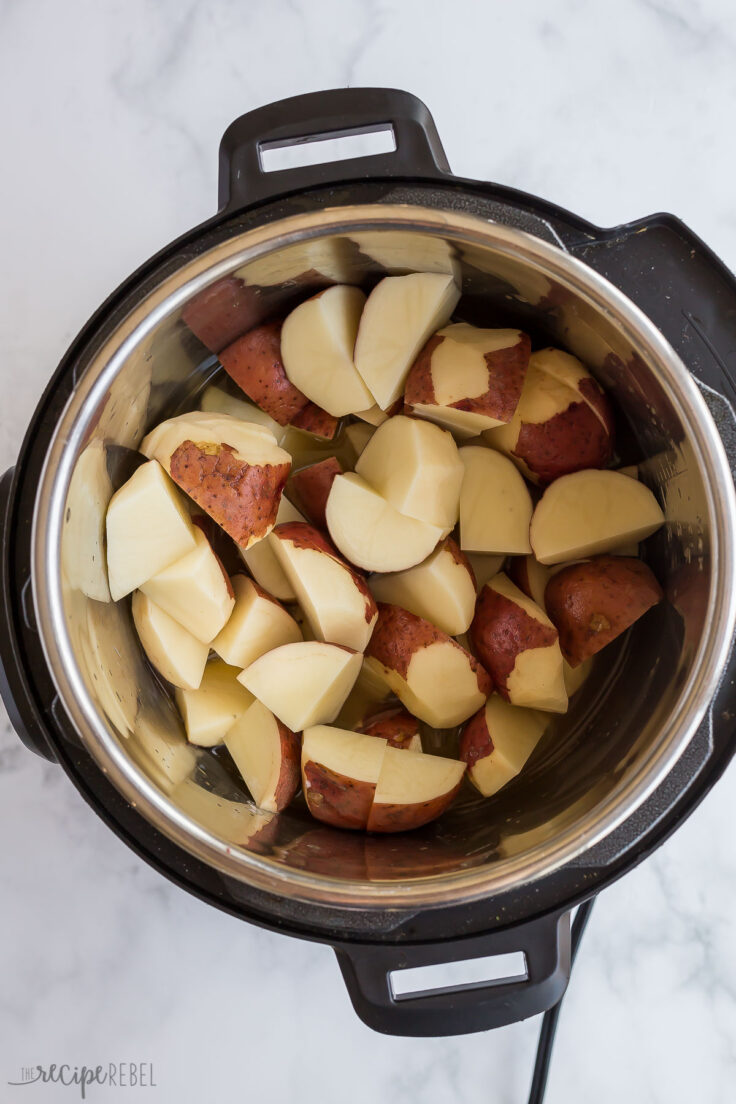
<point x="412" y="789"/>
<point x="357" y="435"/>
<point x="340" y="770"/>
<point x="415" y="466"/>
<point x="590" y="512"/>
<point x="216" y="401"/>
<point x="260" y="558"/>
<point x="174" y="652"/>
<point x="495" y="505"/>
<point x="441" y="688"/>
<point x="441" y="589"/>
<point x="334" y="597"/>
<point x="370" y="533"/>
<point x="317" y="343"/>
<point x="249" y="438"/>
<point x="83" y="539"/>
<point x="267" y="754"/>
<point x="303" y="684"/>
<point x="537" y="680"/>
<point x="484" y="566"/>
<point x="215" y="706"/>
<point x="256" y="625"/>
<point x="369" y="692"/>
<point x="498" y="741"/>
<point x="148" y="528"/>
<point x="194" y="590"/>
<point x="373" y="415"/>
<point x="400" y="315"/>
<point x="531" y="577"/>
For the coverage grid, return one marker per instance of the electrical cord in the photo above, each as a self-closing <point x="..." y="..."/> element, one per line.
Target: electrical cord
<point x="551" y="1018"/>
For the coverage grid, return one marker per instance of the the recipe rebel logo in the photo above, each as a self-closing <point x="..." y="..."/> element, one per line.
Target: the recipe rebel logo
<point x="118" y="1075"/>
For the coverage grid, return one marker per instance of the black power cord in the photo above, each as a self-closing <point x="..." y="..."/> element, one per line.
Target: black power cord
<point x="551" y="1018"/>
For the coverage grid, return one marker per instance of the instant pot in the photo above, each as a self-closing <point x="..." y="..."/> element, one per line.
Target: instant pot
<point x="648" y="308"/>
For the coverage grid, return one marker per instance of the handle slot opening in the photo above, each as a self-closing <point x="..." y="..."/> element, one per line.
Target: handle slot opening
<point x="319" y="149"/>
<point x="444" y="977"/>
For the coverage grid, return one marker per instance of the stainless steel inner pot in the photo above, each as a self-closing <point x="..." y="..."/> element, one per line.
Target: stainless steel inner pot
<point x="625" y="729"/>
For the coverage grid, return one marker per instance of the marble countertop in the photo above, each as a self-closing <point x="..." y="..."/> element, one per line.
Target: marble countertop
<point x="112" y="116"/>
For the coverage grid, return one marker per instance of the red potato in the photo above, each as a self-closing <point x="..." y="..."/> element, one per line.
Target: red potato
<point x="233" y="470"/>
<point x="357" y="436"/>
<point x="260" y="558"/>
<point x="148" y="528"/>
<point x="592" y="603"/>
<point x="495" y="504"/>
<point x="416" y="468"/>
<point x="519" y="646"/>
<point x="412" y="789"/>
<point x="257" y="624"/>
<point x="310" y="487"/>
<point x="305" y="683"/>
<point x="468" y="379"/>
<point x="399" y="316"/>
<point x="334" y="596"/>
<point x="497" y="742"/>
<point x="368" y="695"/>
<point x="563" y="422"/>
<point x="441" y="589"/>
<point x="267" y="754"/>
<point x="395" y="725"/>
<point x="213" y="708"/>
<point x="485" y="566"/>
<point x="195" y="590"/>
<point x="340" y="771"/>
<point x="254" y="363"/>
<point x="217" y="401"/>
<point x="529" y="576"/>
<point x="371" y="533"/>
<point x="222" y="312"/>
<point x="174" y="652"/>
<point x="430" y="673"/>
<point x="317" y="342"/>
<point x="312" y="419"/>
<point x="590" y="512"/>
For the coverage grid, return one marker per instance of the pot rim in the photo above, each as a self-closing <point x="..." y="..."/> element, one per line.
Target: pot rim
<point x="432" y="890"/>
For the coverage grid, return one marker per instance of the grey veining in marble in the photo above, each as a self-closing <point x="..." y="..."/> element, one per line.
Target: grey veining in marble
<point x="111" y="118"/>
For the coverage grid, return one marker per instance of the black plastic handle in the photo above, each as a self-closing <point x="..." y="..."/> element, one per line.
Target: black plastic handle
<point x="458" y="1011"/>
<point x="336" y="113"/>
<point x="14" y="689"/>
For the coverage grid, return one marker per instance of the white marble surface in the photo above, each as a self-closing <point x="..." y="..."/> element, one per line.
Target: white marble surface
<point x="112" y="114"/>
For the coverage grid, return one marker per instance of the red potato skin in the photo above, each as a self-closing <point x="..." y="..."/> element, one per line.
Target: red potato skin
<point x="592" y="603"/>
<point x="313" y="419"/>
<point x="506" y="372"/>
<point x="337" y="800"/>
<point x="475" y="739"/>
<point x="242" y="498"/>
<point x="302" y="535"/>
<point x="254" y="363"/>
<point x="398" y="635"/>
<point x="404" y="818"/>
<point x="290" y="773"/>
<point x="221" y="313"/>
<point x="572" y="440"/>
<point x="310" y="487"/>
<point x="500" y="631"/>
<point x="396" y="725"/>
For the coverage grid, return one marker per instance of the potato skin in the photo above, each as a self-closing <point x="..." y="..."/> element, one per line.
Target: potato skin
<point x="570" y="441"/>
<point x="254" y="363"/>
<point x="475" y="739"/>
<point x="500" y="631"/>
<point x="395" y="724"/>
<point x="302" y="535"/>
<point x="290" y="776"/>
<point x="398" y="635"/>
<point x="309" y="489"/>
<point x="313" y="419"/>
<point x="404" y="818"/>
<point x="242" y="498"/>
<point x="592" y="603"/>
<point x="506" y="371"/>
<point x="337" y="800"/>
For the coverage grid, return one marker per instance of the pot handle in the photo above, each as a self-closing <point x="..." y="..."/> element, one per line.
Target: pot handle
<point x="458" y="1010"/>
<point x="337" y="113"/>
<point x="13" y="687"/>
